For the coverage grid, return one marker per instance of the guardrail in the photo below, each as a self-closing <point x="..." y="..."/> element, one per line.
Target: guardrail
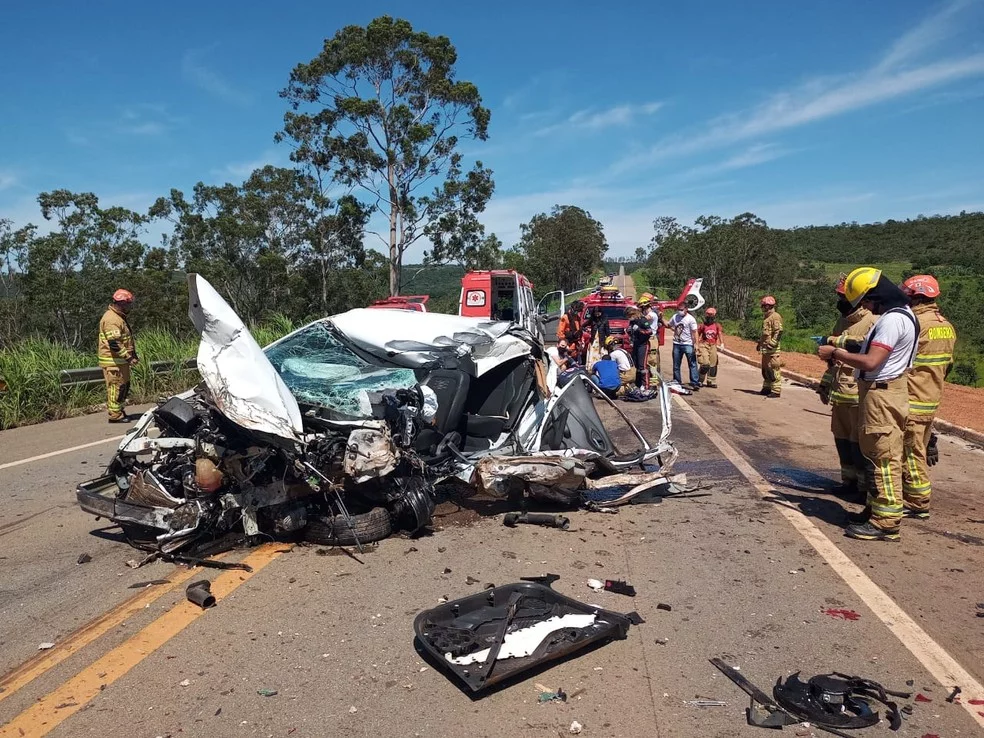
<point x="94" y="375"/>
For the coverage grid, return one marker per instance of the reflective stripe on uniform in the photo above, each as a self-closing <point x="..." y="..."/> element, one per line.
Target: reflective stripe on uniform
<point x="915" y="484"/>
<point x="933" y="359"/>
<point x="844" y="398"/>
<point x="923" y="408"/>
<point x="112" y="361"/>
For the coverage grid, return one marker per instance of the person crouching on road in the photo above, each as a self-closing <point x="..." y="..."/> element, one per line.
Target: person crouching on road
<point x="883" y="396"/>
<point x="606" y="375"/>
<point x="626" y="372"/>
<point x="711" y="338"/>
<point x="685" y="342"/>
<point x="769" y="346"/>
<point x="117" y="352"/>
<point x="640" y="331"/>
<point x="934" y="359"/>
<point x="839" y="389"/>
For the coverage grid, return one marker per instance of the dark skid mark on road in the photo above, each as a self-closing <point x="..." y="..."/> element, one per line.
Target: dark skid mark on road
<point x="718" y="469"/>
<point x="10" y="527"/>
<point x="953" y="535"/>
<point x="805" y="480"/>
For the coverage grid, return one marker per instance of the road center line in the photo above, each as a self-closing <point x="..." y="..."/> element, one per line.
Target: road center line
<point x="944" y="668"/>
<point x="48" y="455"/>
<point x="76" y="641"/>
<point x="54" y="708"/>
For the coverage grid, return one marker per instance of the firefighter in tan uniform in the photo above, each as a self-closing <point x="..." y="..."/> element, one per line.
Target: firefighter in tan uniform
<point x="768" y="346"/>
<point x="645" y="303"/>
<point x="839" y="389"/>
<point x="934" y="358"/>
<point x="883" y="396"/>
<point x="117" y="353"/>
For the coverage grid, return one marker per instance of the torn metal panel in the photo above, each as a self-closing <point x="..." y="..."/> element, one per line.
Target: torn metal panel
<point x="495" y="473"/>
<point x="243" y="383"/>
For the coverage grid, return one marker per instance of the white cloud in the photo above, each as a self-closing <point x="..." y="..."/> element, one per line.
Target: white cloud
<point x="139" y="119"/>
<point x="752" y="156"/>
<point x="242" y="169"/>
<point x="195" y="71"/>
<point x="596" y="120"/>
<point x="7" y="179"/>
<point x="827" y="97"/>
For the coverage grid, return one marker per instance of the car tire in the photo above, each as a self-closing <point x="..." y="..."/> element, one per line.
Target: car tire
<point x="333" y="530"/>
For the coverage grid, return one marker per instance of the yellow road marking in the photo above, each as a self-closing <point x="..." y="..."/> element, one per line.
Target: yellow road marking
<point x="35" y="667"/>
<point x="944" y="668"/>
<point x="54" y="708"/>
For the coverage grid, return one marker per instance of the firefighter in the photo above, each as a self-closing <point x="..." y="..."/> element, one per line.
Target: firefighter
<point x="839" y="389"/>
<point x="934" y="359"/>
<point x="711" y="336"/>
<point x="656" y="322"/>
<point x="117" y="353"/>
<point x="883" y="396"/>
<point x="640" y="331"/>
<point x="768" y="345"/>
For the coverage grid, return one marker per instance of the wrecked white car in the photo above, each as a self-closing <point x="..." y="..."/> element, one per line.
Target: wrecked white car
<point x="339" y="432"/>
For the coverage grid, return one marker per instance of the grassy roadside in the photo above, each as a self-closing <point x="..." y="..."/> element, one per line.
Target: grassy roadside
<point x="35" y="394"/>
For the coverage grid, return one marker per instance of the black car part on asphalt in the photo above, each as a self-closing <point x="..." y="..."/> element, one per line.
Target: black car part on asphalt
<point x="483" y="623"/>
<point x="832" y="702"/>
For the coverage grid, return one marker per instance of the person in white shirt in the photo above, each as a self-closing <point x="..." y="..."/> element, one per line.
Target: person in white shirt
<point x="883" y="396"/>
<point x="685" y="341"/>
<point x="626" y="371"/>
<point x="558" y="360"/>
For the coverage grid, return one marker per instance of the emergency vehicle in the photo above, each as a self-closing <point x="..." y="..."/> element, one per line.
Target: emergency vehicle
<point x="501" y="294"/>
<point x="416" y="303"/>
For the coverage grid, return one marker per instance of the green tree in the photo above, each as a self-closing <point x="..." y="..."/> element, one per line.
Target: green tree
<point x="70" y="273"/>
<point x="560" y="250"/>
<point x="380" y="108"/>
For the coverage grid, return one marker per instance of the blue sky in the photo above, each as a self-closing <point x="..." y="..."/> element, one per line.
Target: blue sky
<point x="802" y="112"/>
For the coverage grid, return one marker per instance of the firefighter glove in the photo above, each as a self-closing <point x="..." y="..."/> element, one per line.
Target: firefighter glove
<point x="932" y="451"/>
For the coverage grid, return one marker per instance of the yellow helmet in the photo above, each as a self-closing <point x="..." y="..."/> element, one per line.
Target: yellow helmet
<point x="859" y="282"/>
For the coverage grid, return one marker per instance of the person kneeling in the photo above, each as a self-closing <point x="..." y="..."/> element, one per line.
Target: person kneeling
<point x="626" y="370"/>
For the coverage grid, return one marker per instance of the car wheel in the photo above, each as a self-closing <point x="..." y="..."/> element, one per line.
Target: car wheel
<point x="333" y="530"/>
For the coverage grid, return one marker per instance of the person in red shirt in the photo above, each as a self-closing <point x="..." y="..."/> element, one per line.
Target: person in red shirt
<point x="711" y="339"/>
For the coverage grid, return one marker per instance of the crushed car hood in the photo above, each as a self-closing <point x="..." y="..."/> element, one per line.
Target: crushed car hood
<point x="243" y="383"/>
<point x="411" y="336"/>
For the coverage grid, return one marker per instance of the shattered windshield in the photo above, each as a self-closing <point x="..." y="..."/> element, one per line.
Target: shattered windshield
<point x="321" y="370"/>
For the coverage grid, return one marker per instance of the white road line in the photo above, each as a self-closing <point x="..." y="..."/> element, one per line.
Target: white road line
<point x="930" y="654"/>
<point x="48" y="455"/>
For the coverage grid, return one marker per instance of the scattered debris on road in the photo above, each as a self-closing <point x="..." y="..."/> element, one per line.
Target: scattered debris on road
<point x="184" y="683"/>
<point x="149" y="583"/>
<point x="45" y="646"/>
<point x="266" y="692"/>
<point x="575" y="728"/>
<point x="953" y="694"/>
<point x="200" y="593"/>
<point x="620" y="586"/>
<point x="833" y="702"/>
<point x="550" y="695"/>
<point x="84" y="558"/>
<point x="664" y="606"/>
<point x="470" y="637"/>
<point x="511" y="520"/>
<point x="596" y="584"/>
<point x="546" y="580"/>
<point x="705" y="703"/>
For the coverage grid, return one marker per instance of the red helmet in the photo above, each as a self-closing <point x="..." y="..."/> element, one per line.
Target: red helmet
<point x="122" y="296"/>
<point x="768" y="301"/>
<point x="711" y="312"/>
<point x="922" y="284"/>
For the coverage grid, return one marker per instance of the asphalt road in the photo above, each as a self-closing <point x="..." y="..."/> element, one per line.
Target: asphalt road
<point x="739" y="567"/>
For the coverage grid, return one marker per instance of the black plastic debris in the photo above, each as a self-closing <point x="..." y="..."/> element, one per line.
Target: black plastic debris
<point x="84" y="558"/>
<point x="200" y="593"/>
<point x="664" y="606"/>
<point x="546" y="580"/>
<point x="620" y="586"/>
<point x="492" y="636"/>
<point x="953" y="695"/>
<point x="511" y="520"/>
